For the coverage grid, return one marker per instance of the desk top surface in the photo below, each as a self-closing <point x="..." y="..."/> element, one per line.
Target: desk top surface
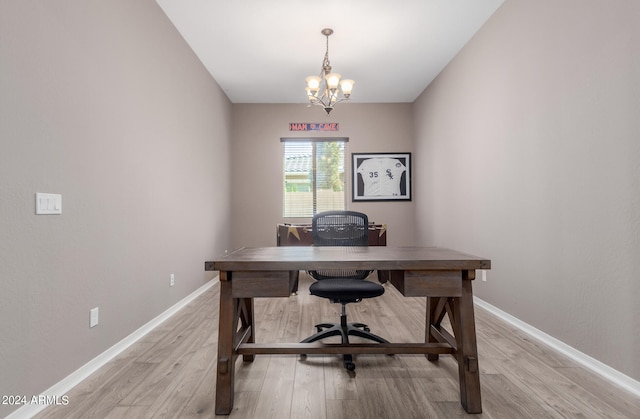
<point x="329" y="257"/>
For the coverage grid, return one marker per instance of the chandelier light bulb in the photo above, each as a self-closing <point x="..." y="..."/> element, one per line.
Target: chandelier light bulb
<point x="333" y="80"/>
<point x="346" y="86"/>
<point x="313" y="82"/>
<point x="311" y="95"/>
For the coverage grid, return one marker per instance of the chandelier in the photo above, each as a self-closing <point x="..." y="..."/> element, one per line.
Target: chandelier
<point x="326" y="89"/>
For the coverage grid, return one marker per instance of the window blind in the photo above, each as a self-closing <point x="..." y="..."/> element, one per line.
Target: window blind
<point x="313" y="174"/>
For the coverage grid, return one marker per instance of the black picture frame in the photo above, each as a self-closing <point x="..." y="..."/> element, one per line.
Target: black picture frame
<point x="381" y="176"/>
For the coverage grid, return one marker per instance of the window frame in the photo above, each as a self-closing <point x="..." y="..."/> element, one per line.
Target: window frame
<point x="314" y="141"/>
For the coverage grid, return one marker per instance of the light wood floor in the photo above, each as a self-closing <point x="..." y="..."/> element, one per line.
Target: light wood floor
<point x="171" y="371"/>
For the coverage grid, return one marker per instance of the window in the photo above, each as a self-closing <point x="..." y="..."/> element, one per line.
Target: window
<point x="313" y="175"/>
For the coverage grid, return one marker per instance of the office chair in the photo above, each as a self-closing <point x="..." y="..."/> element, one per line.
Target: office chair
<point x="342" y="228"/>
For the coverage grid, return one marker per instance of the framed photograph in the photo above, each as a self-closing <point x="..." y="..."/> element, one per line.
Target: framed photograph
<point x="381" y="176"/>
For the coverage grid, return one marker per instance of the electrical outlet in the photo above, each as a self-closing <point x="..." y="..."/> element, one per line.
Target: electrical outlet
<point x="93" y="317"/>
<point x="172" y="280"/>
<point x="483" y="275"/>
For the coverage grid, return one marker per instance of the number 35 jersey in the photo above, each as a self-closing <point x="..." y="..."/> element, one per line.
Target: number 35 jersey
<point x="381" y="176"/>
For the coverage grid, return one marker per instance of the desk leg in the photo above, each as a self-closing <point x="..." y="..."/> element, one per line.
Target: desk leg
<point x="294" y="277"/>
<point x="383" y="276"/>
<point x="435" y="314"/>
<point x="227" y="326"/>
<point x="467" y="353"/>
<point x="247" y="318"/>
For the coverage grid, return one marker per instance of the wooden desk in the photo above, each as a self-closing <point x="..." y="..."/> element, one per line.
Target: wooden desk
<point x="443" y="276"/>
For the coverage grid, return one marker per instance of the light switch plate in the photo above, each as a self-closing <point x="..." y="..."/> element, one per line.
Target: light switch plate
<point x="93" y="317"/>
<point x="48" y="203"/>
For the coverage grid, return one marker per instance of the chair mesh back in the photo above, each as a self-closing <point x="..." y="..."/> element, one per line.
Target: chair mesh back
<point x="340" y="228"/>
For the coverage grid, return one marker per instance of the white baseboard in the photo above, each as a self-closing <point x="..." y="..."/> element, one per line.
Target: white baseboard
<point x="612" y="375"/>
<point x="75" y="378"/>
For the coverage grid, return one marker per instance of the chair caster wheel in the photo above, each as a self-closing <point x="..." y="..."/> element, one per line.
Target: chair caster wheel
<point x="366" y="329"/>
<point x="350" y="366"/>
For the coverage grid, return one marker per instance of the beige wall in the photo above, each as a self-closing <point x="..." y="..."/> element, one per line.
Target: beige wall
<point x="257" y="154"/>
<point x="104" y="103"/>
<point x="531" y="142"/>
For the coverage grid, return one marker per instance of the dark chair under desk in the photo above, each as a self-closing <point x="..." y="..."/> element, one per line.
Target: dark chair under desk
<point x="343" y="228"/>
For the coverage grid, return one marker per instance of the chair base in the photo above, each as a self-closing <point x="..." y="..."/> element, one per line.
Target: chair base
<point x="344" y="330"/>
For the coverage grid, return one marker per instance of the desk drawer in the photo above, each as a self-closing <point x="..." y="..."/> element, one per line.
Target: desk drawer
<point x="428" y="283"/>
<point x="262" y="284"/>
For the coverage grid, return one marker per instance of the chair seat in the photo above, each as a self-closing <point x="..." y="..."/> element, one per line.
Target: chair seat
<point x="345" y="290"/>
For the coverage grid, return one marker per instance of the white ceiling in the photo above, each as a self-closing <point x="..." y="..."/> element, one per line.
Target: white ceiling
<point x="260" y="51"/>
